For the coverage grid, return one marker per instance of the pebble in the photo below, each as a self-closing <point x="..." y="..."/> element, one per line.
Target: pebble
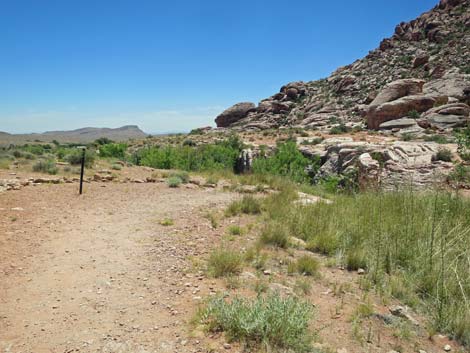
<point x="447" y="348"/>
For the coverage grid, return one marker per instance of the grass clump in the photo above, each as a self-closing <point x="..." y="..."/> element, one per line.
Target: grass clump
<point x="235" y="230"/>
<point x="45" y="166"/>
<point x="275" y="234"/>
<point x="307" y="265"/>
<point x="224" y="262"/>
<point x="167" y="222"/>
<point x="174" y="181"/>
<point x="247" y="205"/>
<point x="270" y="322"/>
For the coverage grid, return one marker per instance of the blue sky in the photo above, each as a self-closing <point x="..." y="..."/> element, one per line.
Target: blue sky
<point x="172" y="65"/>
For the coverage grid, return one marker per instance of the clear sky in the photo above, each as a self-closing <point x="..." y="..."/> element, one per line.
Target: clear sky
<point x="172" y="65"/>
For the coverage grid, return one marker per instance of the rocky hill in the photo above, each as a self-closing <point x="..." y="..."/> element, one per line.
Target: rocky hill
<point x="420" y="75"/>
<point x="85" y="135"/>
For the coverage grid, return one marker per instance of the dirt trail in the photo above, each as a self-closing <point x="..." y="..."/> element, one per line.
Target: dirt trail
<point x="98" y="273"/>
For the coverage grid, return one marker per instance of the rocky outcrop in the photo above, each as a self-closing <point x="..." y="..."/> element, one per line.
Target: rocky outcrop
<point x="377" y="115"/>
<point x="452" y="84"/>
<point x="234" y="114"/>
<point x="428" y="56"/>
<point x="388" y="165"/>
<point x="447" y="116"/>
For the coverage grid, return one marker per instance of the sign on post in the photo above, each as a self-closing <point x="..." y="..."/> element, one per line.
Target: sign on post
<point x="82" y="170"/>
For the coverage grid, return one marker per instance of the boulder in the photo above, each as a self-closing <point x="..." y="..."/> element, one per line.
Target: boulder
<point x="447" y="116"/>
<point x="234" y="114"/>
<point x="452" y="84"/>
<point x="420" y="60"/>
<point x="376" y="115"/>
<point x="398" y="123"/>
<point x="398" y="89"/>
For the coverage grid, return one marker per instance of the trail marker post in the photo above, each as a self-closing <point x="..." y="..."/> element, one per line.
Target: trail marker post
<point x="83" y="148"/>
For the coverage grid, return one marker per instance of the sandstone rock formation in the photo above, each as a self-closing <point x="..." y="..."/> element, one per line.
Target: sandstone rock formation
<point x="234" y="114"/>
<point x="427" y="56"/>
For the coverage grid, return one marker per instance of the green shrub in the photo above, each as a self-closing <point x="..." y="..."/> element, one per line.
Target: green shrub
<point x="45" y="166"/>
<point x="340" y="129"/>
<point x="271" y="322"/>
<point x="174" y="182"/>
<point x="184" y="176"/>
<point x="224" y="262"/>
<point x="74" y="157"/>
<point x="413" y="114"/>
<point x="207" y="157"/>
<point x="287" y="161"/>
<point x="463" y="143"/>
<point x="443" y="154"/>
<point x="116" y="166"/>
<point x="113" y="150"/>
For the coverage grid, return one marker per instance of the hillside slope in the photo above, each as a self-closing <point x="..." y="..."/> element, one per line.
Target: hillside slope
<point x="435" y="47"/>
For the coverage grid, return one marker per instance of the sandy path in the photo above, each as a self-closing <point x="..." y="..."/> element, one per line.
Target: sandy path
<point x="99" y="273"/>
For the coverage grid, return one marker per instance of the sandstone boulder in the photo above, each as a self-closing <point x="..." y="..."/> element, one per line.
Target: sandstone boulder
<point x="376" y="115"/>
<point x="398" y="123"/>
<point x="448" y="116"/>
<point x="234" y="113"/>
<point x="398" y="89"/>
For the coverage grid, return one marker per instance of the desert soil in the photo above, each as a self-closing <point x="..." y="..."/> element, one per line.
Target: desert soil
<point x="99" y="273"/>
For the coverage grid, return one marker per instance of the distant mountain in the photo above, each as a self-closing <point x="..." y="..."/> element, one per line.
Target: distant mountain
<point x="85" y="135"/>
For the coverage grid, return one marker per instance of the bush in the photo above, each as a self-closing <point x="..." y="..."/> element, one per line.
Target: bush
<point x="223" y="262"/>
<point x="443" y="154"/>
<point x="207" y="157"/>
<point x="413" y="114"/>
<point x="116" y="167"/>
<point x="339" y="129"/>
<point x="74" y="157"/>
<point x="174" y="182"/>
<point x="113" y="150"/>
<point x="184" y="176"/>
<point x="271" y="322"/>
<point x="463" y="143"/>
<point x="45" y="166"/>
<point x="307" y="265"/>
<point x="287" y="161"/>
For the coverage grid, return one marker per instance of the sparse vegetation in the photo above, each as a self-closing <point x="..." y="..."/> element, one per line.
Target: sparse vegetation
<point x="247" y="205"/>
<point x="45" y="166"/>
<point x="268" y="321"/>
<point x="224" y="262"/>
<point x="174" y="181"/>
